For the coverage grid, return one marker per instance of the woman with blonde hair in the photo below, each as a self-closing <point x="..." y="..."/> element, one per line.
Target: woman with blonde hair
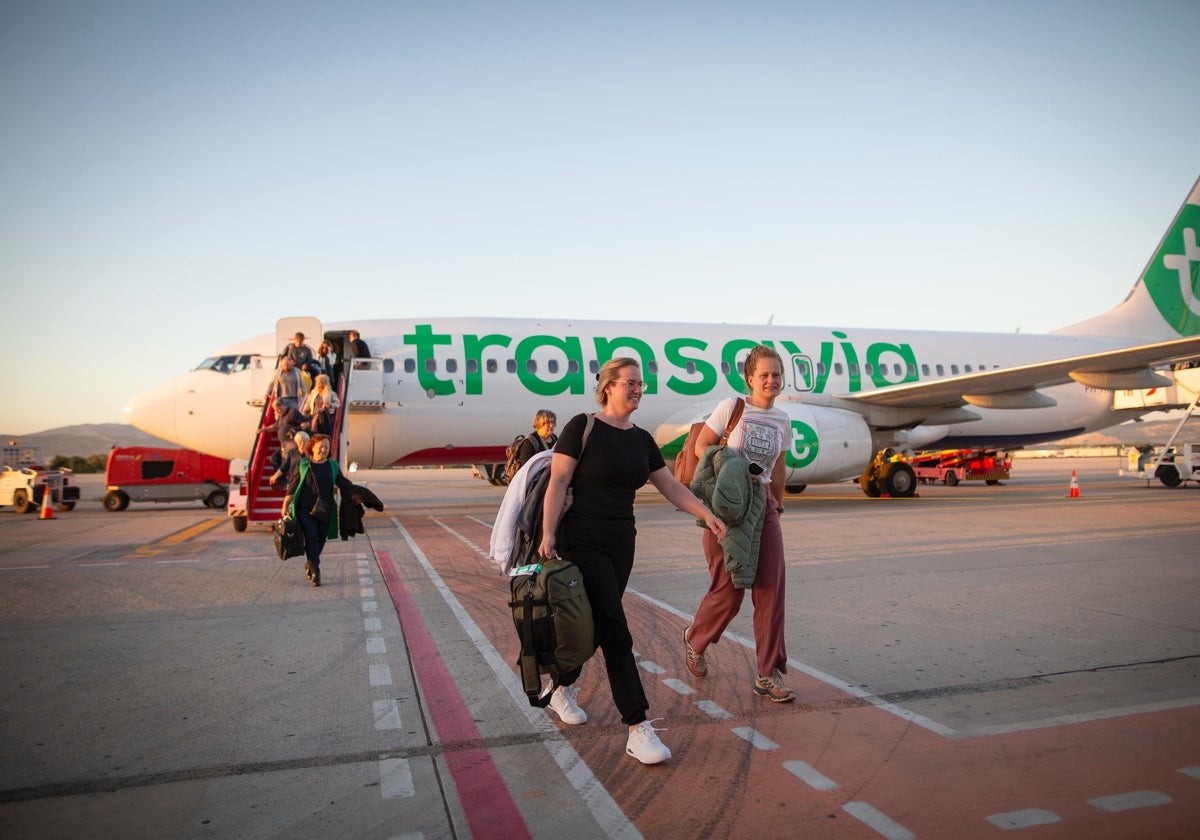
<point x="598" y="534"/>
<point x="321" y="406"/>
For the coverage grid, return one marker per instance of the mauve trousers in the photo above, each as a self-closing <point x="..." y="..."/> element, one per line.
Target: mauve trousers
<point x="722" y="601"/>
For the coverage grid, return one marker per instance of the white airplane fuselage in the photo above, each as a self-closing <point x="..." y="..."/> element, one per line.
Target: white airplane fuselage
<point x="455" y="391"/>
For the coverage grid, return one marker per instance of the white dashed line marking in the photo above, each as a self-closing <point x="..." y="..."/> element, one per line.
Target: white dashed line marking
<point x="370" y="606"/>
<point x="713" y="710"/>
<point x="387" y="714"/>
<point x="810" y="776"/>
<point x="878" y="820"/>
<point x="756" y="738"/>
<point x="651" y="667"/>
<point x="372" y="625"/>
<point x="395" y="776"/>
<point x="381" y="675"/>
<point x="679" y="686"/>
<point x="1024" y="819"/>
<point x="1129" y="801"/>
<point x="367" y="592"/>
<point x="1194" y="772"/>
<point x="376" y="645"/>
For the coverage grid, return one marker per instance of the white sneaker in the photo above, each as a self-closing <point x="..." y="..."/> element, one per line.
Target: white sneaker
<point x="562" y="701"/>
<point x="644" y="745"/>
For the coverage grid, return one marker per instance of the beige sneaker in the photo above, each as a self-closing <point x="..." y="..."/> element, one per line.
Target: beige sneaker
<point x="696" y="663"/>
<point x="772" y="688"/>
<point x="644" y="745"/>
<point x="562" y="701"/>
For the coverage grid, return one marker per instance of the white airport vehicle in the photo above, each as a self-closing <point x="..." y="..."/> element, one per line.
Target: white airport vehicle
<point x="24" y="481"/>
<point x="446" y="391"/>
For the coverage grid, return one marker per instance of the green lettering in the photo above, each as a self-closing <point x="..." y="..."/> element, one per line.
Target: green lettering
<point x="606" y="350"/>
<point x="879" y="370"/>
<point x="673" y="350"/>
<point x="825" y="368"/>
<point x="425" y="340"/>
<point x="729" y="354"/>
<point x="572" y="378"/>
<point x="473" y="347"/>
<point x="853" y="369"/>
<point x="805" y="445"/>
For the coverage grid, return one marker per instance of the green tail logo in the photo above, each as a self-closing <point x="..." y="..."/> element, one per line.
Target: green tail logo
<point x="1173" y="279"/>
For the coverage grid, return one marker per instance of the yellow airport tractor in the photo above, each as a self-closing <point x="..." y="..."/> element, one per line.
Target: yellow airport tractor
<point x="888" y="474"/>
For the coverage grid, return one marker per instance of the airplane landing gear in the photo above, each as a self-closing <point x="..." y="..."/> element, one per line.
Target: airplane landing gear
<point x="887" y="477"/>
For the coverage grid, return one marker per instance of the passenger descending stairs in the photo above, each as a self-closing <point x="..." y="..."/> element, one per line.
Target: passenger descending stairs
<point x="263" y="502"/>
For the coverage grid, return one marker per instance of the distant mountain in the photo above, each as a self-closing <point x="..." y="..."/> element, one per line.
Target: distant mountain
<point x="1154" y="432"/>
<point x="87" y="439"/>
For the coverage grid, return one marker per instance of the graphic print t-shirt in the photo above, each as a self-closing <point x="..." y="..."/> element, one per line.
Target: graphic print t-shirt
<point x="758" y="436"/>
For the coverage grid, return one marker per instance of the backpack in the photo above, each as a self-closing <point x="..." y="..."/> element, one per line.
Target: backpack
<point x="686" y="460"/>
<point x="553" y="617"/>
<point x="550" y="608"/>
<point x="513" y="451"/>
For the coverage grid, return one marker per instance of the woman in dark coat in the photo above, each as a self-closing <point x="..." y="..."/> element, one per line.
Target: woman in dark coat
<point x="312" y="501"/>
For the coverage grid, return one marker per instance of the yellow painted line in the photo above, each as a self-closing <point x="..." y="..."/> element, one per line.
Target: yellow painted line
<point x="194" y="531"/>
<point x="158" y="547"/>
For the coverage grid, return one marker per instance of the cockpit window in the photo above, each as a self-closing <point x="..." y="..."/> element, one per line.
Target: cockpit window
<point x="225" y="364"/>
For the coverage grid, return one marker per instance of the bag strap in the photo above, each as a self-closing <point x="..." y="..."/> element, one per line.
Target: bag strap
<point x="733" y="420"/>
<point x="587" y="431"/>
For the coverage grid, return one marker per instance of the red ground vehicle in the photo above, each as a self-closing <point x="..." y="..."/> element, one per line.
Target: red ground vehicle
<point x="152" y="474"/>
<point x="954" y="465"/>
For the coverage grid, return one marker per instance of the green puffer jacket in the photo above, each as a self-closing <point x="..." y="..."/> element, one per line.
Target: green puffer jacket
<point x="723" y="482"/>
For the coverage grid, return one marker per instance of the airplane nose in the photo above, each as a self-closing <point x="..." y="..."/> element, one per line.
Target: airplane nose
<point x="153" y="411"/>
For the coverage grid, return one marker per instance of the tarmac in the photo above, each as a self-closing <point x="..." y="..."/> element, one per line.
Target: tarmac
<point x="980" y="661"/>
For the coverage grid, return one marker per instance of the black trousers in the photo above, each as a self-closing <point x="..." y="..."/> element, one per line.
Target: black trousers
<point x="603" y="552"/>
<point x="314" y="538"/>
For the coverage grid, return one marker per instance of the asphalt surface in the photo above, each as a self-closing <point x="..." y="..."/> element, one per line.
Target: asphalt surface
<point x="978" y="661"/>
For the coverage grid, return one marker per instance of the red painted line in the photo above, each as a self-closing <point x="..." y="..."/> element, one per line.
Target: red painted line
<point x="489" y="807"/>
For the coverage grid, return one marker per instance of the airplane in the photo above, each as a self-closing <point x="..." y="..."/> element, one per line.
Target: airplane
<point x="453" y="391"/>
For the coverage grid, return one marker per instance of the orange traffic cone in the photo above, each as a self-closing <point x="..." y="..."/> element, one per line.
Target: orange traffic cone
<point x="47" y="508"/>
<point x="1074" y="493"/>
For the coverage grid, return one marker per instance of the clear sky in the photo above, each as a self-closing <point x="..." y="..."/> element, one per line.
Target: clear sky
<point x="176" y="176"/>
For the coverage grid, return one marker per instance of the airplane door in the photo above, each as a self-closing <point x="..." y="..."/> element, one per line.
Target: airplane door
<point x="802" y="373"/>
<point x="262" y="374"/>
<point x="286" y="329"/>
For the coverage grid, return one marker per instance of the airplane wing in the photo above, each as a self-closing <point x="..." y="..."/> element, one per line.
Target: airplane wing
<point x="1127" y="368"/>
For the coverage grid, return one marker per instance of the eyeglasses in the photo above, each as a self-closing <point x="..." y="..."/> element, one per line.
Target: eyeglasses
<point x="635" y="384"/>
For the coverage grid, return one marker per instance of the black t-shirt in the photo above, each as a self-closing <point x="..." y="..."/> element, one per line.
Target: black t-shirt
<point x="614" y="465"/>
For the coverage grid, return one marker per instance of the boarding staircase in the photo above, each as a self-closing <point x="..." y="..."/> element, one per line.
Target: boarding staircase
<point x="262" y="500"/>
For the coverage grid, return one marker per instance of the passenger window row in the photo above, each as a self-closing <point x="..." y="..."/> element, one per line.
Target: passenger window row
<point x="553" y="366"/>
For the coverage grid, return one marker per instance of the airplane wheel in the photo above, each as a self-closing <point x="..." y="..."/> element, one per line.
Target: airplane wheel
<point x="898" y="480"/>
<point x="1168" y="474"/>
<point x="217" y="499"/>
<point x="795" y="488"/>
<point x="239" y="523"/>
<point x="951" y="479"/>
<point x="21" y="502"/>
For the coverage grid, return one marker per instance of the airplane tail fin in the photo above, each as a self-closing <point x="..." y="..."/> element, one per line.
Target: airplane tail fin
<point x="1165" y="301"/>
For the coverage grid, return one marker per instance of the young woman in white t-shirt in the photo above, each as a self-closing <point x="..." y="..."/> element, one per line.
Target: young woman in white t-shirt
<point x="761" y="436"/>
